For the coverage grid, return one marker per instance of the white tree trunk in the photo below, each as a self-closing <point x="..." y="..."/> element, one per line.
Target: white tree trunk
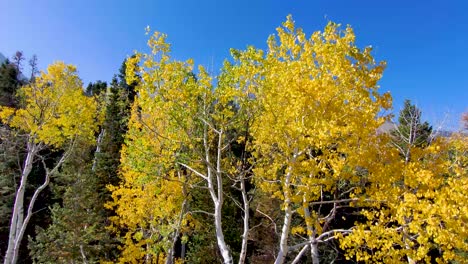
<point x="98" y="148"/>
<point x="19" y="235"/>
<point x="171" y="252"/>
<point x="14" y="242"/>
<point x="223" y="247"/>
<point x="245" y="234"/>
<point x="410" y="260"/>
<point x="314" y="252"/>
<point x="284" y="248"/>
<point x="216" y="192"/>
<point x="407" y="246"/>
<point x="18" y="207"/>
<point x="312" y="234"/>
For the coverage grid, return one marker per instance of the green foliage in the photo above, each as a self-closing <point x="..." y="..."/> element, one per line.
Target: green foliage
<point x="96" y="88"/>
<point x="411" y="131"/>
<point x="117" y="112"/>
<point x="9" y="83"/>
<point x="78" y="230"/>
<point x="10" y="150"/>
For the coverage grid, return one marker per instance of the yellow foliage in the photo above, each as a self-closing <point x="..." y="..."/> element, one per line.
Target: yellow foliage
<point x="149" y="201"/>
<point x="54" y="108"/>
<point x="425" y="206"/>
<point x="176" y="119"/>
<point x="318" y="114"/>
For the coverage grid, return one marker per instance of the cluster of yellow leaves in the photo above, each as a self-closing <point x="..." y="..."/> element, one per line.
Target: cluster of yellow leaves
<point x="54" y="108"/>
<point x="319" y="112"/>
<point x="313" y="106"/>
<point x="419" y="208"/>
<point x="149" y="201"/>
<point x="177" y="119"/>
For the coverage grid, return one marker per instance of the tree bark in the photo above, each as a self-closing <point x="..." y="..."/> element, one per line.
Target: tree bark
<point x="297" y="259"/>
<point x="19" y="236"/>
<point x="11" y="256"/>
<point x="18" y="207"/>
<point x="284" y="234"/>
<point x="216" y="192"/>
<point x="314" y="252"/>
<point x="223" y="247"/>
<point x="49" y="173"/>
<point x="287" y="222"/>
<point x="98" y="148"/>
<point x="245" y="234"/>
<point x="311" y="233"/>
<point x="284" y="248"/>
<point x="225" y="252"/>
<point x="171" y="254"/>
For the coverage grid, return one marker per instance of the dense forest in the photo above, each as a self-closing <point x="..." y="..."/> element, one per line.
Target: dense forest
<point x="287" y="155"/>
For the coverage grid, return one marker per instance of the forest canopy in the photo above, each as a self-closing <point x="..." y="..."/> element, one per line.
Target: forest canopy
<point x="279" y="158"/>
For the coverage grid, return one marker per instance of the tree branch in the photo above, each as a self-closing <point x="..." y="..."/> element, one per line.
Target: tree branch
<point x="192" y="170"/>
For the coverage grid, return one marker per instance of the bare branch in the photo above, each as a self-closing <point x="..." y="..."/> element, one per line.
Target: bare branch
<point x="334" y="201"/>
<point x="192" y="170"/>
<point x="267" y="216"/>
<point x="330" y="233"/>
<point x="201" y="211"/>
<point x="298" y="246"/>
<point x="297" y="259"/>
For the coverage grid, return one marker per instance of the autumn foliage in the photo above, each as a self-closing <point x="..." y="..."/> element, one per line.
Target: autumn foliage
<point x="277" y="158"/>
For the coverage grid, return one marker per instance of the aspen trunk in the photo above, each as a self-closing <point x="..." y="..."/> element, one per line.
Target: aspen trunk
<point x="18" y="207"/>
<point x="312" y="233"/>
<point x="245" y="234"/>
<point x="19" y="235"/>
<point x="284" y="248"/>
<point x="98" y="148"/>
<point x="314" y="252"/>
<point x="11" y="256"/>
<point x="223" y="247"/>
<point x="216" y="192"/>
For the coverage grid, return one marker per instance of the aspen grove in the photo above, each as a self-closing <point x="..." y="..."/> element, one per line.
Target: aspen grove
<point x="278" y="158"/>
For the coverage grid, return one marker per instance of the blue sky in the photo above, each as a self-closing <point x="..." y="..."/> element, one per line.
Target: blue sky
<point x="425" y="43"/>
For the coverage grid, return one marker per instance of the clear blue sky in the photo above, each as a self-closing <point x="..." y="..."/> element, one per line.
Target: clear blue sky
<point x="425" y="43"/>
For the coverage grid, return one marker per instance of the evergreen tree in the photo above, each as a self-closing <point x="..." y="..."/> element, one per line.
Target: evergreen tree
<point x="411" y="131"/>
<point x="78" y="231"/>
<point x="118" y="100"/>
<point x="9" y="146"/>
<point x="9" y="83"/>
<point x="96" y="88"/>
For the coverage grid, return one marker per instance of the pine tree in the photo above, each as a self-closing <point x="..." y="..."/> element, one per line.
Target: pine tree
<point x="411" y="131"/>
<point x="9" y="83"/>
<point x="78" y="230"/>
<point x="96" y="88"/>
